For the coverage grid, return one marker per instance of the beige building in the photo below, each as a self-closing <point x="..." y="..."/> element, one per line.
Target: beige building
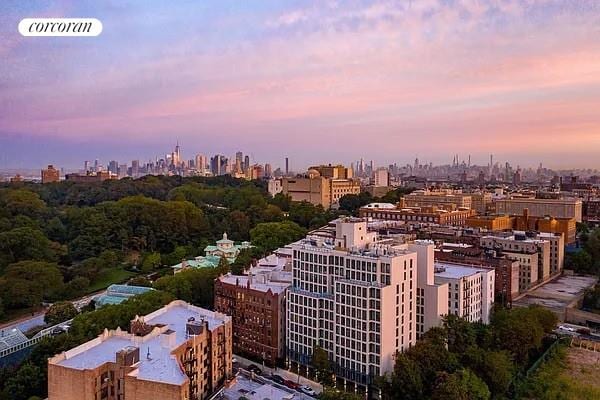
<point x="323" y="185"/>
<point x="560" y="208"/>
<point x="481" y="202"/>
<point x="179" y="352"/>
<point x="431" y="296"/>
<point x="428" y="214"/>
<point x="354" y="296"/>
<point x="540" y="256"/>
<point x="439" y="198"/>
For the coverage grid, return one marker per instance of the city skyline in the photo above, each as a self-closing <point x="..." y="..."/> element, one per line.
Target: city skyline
<point x="516" y="78"/>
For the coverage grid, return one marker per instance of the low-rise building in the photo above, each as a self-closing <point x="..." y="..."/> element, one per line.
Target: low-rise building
<point x="224" y="248"/>
<point x="438" y="198"/>
<point x="558" y="208"/>
<point x="179" y="352"/>
<point x="432" y="215"/>
<point x="116" y="294"/>
<point x="532" y="255"/>
<point x="506" y="280"/>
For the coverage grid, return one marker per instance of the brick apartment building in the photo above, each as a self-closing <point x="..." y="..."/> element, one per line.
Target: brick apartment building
<point x="179" y="352"/>
<point x="257" y="307"/>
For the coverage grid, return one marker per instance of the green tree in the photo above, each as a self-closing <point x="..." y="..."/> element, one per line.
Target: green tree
<point x="22" y="202"/>
<point x="517" y="331"/>
<point x="494" y="367"/>
<point x="26" y="382"/>
<point x="26" y="243"/>
<point x="60" y="312"/>
<point x="322" y="366"/>
<point x="460" y="385"/>
<point x="432" y="357"/>
<point x="269" y="236"/>
<point x="580" y="262"/>
<point x="591" y="299"/>
<point x="305" y="214"/>
<point x="151" y="262"/>
<point x="282" y="201"/>
<point x="76" y="287"/>
<point x="461" y="333"/>
<point x="27" y="283"/>
<point x="140" y="281"/>
<point x="352" y="202"/>
<point x="405" y="382"/>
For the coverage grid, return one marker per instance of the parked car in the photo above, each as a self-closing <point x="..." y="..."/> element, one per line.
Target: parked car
<point x="584" y="331"/>
<point x="277" y="379"/>
<point x="566" y="328"/>
<point x="255" y="369"/>
<point x="308" y="390"/>
<point x="291" y="384"/>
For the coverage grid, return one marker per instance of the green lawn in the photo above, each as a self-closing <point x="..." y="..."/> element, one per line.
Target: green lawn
<point x="108" y="277"/>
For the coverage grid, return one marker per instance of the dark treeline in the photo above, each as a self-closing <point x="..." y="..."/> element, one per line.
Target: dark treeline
<point x="62" y="240"/>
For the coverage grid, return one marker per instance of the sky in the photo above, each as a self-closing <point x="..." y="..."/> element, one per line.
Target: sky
<point x="318" y="81"/>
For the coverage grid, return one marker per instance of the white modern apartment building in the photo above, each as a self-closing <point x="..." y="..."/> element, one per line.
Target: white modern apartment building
<point x="431" y="296"/>
<point x="470" y="290"/>
<point x="354" y="295"/>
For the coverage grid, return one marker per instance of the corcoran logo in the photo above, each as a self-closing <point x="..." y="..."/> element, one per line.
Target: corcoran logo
<point x="60" y="27"/>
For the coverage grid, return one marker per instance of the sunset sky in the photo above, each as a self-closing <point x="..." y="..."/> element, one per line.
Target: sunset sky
<point x="322" y="81"/>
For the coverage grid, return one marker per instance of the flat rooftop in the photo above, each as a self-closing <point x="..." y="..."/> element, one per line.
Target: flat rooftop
<point x="557" y="294"/>
<point x="156" y="361"/>
<point x="244" y="387"/>
<point x="455" y="271"/>
<point x="258" y="283"/>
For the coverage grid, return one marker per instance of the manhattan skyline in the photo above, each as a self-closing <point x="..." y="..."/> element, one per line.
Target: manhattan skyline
<point x="315" y="81"/>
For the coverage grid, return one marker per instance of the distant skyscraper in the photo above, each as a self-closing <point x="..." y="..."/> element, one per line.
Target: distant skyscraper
<point x="86" y="166"/>
<point x="287" y="166"/>
<point x="200" y="163"/>
<point x="135" y="168"/>
<point x="113" y="167"/>
<point x="246" y="163"/>
<point x="218" y="165"/>
<point x="268" y="170"/>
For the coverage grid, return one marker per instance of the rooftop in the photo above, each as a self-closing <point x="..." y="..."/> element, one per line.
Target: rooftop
<point x="156" y="362"/>
<point x="557" y="294"/>
<point x="259" y="283"/>
<point x="455" y="271"/>
<point x="259" y="389"/>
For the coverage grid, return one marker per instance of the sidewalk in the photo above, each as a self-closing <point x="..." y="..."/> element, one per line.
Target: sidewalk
<point x="284" y="373"/>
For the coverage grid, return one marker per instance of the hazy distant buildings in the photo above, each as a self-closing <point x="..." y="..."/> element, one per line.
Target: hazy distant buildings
<point x="89" y="177"/>
<point x="50" y="174"/>
<point x="381" y="177"/>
